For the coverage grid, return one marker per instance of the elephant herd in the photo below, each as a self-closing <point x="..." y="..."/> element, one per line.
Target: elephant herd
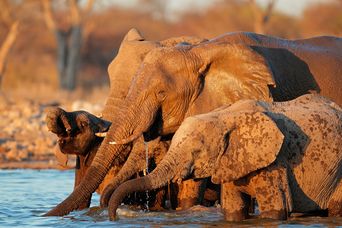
<point x="257" y="115"/>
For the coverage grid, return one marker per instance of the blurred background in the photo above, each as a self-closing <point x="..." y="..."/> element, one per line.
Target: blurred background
<point x="50" y="46"/>
<point x="56" y="52"/>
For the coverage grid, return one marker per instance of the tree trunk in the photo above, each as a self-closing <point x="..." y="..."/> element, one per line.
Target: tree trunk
<point x="6" y="47"/>
<point x="73" y="58"/>
<point x="62" y="56"/>
<point x="68" y="56"/>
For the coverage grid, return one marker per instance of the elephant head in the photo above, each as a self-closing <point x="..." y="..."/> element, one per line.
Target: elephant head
<point x="77" y="131"/>
<point x="171" y="84"/>
<point x="226" y="144"/>
<point x="176" y="82"/>
<point x="133" y="49"/>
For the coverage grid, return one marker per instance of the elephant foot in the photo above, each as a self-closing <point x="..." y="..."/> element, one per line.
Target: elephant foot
<point x="335" y="202"/>
<point x="191" y="193"/>
<point x="274" y="214"/>
<point x="234" y="203"/>
<point x="235" y="216"/>
<point x="159" y="200"/>
<point x="187" y="203"/>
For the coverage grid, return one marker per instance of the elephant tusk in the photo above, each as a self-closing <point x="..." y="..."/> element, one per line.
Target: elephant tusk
<point x="100" y="115"/>
<point x="112" y="143"/>
<point x="101" y="134"/>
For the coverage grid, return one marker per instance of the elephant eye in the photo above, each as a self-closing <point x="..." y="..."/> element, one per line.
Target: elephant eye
<point x="161" y="95"/>
<point x="84" y="124"/>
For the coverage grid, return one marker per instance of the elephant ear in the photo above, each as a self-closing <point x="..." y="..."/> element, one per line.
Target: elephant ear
<point x="242" y="73"/>
<point x="253" y="143"/>
<point x="62" y="159"/>
<point x="98" y="124"/>
<point x="133" y="35"/>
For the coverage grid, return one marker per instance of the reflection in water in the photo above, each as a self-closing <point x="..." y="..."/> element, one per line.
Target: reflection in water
<point x="26" y="194"/>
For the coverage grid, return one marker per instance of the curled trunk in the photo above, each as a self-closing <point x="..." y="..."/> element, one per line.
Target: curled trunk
<point x="136" y="162"/>
<point x="58" y="121"/>
<point x="158" y="178"/>
<point x="125" y="172"/>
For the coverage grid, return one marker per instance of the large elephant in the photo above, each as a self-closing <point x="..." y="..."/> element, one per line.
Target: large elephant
<point x="176" y="82"/>
<point x="286" y="154"/>
<point x="82" y="142"/>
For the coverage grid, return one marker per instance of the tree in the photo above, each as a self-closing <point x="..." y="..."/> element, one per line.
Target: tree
<point x="12" y="25"/>
<point x="69" y="40"/>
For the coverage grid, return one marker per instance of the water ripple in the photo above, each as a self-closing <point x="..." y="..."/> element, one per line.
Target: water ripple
<point x="25" y="195"/>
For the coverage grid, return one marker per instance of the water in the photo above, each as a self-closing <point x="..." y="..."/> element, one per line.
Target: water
<point x="26" y="194"/>
<point x="146" y="172"/>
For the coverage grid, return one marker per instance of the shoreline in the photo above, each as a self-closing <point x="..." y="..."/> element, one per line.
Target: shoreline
<point x="33" y="165"/>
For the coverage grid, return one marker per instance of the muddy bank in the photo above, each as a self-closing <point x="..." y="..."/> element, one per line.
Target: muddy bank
<point x="25" y="142"/>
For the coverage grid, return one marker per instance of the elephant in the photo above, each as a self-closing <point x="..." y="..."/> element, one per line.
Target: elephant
<point x="286" y="154"/>
<point x="80" y="133"/>
<point x="173" y="83"/>
<point x="133" y="41"/>
<point x="76" y="133"/>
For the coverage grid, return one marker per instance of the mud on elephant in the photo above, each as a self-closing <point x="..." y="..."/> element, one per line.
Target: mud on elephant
<point x="229" y="70"/>
<point x="173" y="83"/>
<point x="286" y="154"/>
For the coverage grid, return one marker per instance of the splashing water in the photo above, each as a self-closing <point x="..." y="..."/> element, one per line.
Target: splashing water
<point x="146" y="158"/>
<point x="146" y="173"/>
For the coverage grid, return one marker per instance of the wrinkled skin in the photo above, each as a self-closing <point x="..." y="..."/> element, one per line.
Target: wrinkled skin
<point x="132" y="51"/>
<point x="286" y="154"/>
<point x="290" y="81"/>
<point x="173" y="83"/>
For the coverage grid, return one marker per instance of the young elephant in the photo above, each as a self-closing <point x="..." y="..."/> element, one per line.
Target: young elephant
<point x="76" y="133"/>
<point x="286" y="154"/>
<point x="80" y="133"/>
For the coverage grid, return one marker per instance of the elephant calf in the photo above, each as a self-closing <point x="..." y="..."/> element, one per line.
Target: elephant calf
<point x="81" y="133"/>
<point x="76" y="133"/>
<point x="286" y="154"/>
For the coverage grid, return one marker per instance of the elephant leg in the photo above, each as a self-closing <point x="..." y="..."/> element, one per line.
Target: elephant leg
<point x="159" y="200"/>
<point x="233" y="203"/>
<point x="335" y="202"/>
<point x="270" y="194"/>
<point x="191" y="193"/>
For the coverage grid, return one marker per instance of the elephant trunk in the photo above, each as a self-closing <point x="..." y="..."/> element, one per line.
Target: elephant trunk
<point x="58" y="121"/>
<point x="125" y="173"/>
<point x="146" y="118"/>
<point x="159" y="177"/>
<point x="123" y="126"/>
<point x="94" y="176"/>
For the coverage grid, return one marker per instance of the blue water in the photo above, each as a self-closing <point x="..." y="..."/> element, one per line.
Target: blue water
<point x="26" y="194"/>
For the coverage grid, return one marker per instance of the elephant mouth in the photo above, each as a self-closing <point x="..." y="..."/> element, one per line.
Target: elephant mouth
<point x="155" y="129"/>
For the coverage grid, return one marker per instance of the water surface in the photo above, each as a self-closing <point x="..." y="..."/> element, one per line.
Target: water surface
<point x="26" y="194"/>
